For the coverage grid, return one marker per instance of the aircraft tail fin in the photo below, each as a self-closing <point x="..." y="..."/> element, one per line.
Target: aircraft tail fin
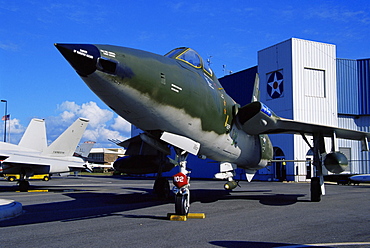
<point x="67" y="142"/>
<point x="256" y="89"/>
<point x="35" y="135"/>
<point x="84" y="149"/>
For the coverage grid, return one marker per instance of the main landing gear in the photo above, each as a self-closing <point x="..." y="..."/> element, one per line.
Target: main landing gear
<point x="23" y="183"/>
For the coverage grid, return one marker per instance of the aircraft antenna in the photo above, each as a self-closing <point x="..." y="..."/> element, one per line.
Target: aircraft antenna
<point x="209" y="62"/>
<point x="226" y="71"/>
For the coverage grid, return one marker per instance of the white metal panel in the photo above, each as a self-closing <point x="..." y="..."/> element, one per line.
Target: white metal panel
<point x="272" y="59"/>
<point x="314" y="65"/>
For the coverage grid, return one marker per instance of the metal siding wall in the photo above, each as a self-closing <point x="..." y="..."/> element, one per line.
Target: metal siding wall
<point x="271" y="59"/>
<point x="309" y="55"/>
<point x="347" y="87"/>
<point x="355" y="146"/>
<point x="364" y="81"/>
<point x="363" y="124"/>
<point x="318" y="60"/>
<point x="277" y="58"/>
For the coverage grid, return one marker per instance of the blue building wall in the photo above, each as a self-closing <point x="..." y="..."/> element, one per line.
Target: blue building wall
<point x="364" y="85"/>
<point x="347" y="87"/>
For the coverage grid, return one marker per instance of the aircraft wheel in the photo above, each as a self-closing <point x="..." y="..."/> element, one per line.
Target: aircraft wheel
<point x="181" y="204"/>
<point x="162" y="188"/>
<point x="23" y="186"/>
<point x="315" y="189"/>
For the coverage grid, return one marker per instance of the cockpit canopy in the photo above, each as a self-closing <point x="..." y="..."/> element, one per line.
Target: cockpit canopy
<point x="190" y="57"/>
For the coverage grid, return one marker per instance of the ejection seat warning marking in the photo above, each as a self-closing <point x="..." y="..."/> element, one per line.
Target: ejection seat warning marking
<point x="83" y="53"/>
<point x="108" y="53"/>
<point x="176" y="88"/>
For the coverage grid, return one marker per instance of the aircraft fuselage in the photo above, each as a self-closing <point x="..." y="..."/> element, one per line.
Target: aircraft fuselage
<point x="155" y="92"/>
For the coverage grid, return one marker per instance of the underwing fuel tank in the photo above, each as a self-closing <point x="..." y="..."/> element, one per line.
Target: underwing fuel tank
<point x="142" y="164"/>
<point x="335" y="162"/>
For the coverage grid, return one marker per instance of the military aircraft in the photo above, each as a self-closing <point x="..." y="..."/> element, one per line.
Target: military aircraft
<point x="178" y="102"/>
<point x="32" y="156"/>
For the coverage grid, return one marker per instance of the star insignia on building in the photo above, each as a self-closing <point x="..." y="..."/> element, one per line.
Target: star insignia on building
<point x="275" y="86"/>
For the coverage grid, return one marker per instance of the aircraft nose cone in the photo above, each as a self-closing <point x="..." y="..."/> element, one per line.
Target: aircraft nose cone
<point x="82" y="57"/>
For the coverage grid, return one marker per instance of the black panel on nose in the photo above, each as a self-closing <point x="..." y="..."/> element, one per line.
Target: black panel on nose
<point x="82" y="57"/>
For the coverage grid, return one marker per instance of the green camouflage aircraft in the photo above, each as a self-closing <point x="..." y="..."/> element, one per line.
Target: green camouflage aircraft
<point x="178" y="102"/>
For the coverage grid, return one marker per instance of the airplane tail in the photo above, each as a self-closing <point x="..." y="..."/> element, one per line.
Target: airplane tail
<point x="256" y="89"/>
<point x="84" y="149"/>
<point x="67" y="142"/>
<point x="35" y="135"/>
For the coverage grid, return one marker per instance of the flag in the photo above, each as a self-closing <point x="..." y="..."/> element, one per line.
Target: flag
<point x="5" y="118"/>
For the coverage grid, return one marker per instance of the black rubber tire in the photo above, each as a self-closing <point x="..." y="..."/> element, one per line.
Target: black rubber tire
<point x="315" y="189"/>
<point x="23" y="186"/>
<point x="181" y="204"/>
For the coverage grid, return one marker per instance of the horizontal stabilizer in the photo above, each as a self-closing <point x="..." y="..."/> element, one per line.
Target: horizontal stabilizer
<point x="256" y="118"/>
<point x="67" y="142"/>
<point x="35" y="135"/>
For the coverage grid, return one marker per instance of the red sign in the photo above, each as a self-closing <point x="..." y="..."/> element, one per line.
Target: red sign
<point x="180" y="180"/>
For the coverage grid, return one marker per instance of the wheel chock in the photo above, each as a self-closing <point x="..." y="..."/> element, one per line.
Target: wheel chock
<point x="176" y="217"/>
<point x="33" y="190"/>
<point x="196" y="216"/>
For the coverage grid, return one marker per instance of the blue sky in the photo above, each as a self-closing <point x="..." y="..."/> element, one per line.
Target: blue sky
<point x="37" y="81"/>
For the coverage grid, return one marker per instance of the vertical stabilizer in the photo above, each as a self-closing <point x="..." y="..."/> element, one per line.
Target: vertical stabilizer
<point x="84" y="149"/>
<point x="35" y="135"/>
<point x="66" y="143"/>
<point x="256" y="89"/>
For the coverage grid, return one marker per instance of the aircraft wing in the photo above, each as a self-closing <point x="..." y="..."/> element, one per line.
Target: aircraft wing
<point x="291" y="126"/>
<point x="256" y="118"/>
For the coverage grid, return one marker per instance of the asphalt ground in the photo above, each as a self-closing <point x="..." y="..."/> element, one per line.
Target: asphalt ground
<point x="104" y="211"/>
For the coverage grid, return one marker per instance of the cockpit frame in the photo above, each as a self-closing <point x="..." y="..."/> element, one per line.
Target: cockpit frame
<point x="190" y="57"/>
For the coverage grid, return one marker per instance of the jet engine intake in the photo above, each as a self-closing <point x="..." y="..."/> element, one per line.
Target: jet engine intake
<point x="257" y="118"/>
<point x="335" y="162"/>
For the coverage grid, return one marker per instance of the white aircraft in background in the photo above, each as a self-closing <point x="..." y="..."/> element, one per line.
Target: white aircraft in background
<point x="32" y="156"/>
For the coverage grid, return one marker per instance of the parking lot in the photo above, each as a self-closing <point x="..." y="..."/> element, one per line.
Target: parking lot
<point x="98" y="211"/>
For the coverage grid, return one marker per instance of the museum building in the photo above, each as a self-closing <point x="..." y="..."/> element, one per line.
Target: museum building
<point x="304" y="80"/>
<point x="301" y="80"/>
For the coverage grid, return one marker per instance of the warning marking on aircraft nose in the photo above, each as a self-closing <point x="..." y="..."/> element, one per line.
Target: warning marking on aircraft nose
<point x="176" y="88"/>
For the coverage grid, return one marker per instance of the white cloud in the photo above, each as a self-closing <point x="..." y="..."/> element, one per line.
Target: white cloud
<point x="14" y="130"/>
<point x="121" y="124"/>
<point x="102" y="126"/>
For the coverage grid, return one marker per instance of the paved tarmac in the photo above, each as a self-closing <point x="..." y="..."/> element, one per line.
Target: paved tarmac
<point x="119" y="212"/>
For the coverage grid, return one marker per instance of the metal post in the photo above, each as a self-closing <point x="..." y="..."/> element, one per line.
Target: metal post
<point x="5" y="117"/>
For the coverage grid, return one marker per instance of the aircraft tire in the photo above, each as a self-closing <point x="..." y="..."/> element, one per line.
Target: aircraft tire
<point x="181" y="204"/>
<point x="11" y="179"/>
<point x="315" y="189"/>
<point x="162" y="188"/>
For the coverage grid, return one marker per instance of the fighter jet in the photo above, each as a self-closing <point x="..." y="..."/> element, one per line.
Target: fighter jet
<point x="178" y="102"/>
<point x="32" y="156"/>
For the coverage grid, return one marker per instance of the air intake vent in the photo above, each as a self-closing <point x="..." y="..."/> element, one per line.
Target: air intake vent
<point x="107" y="65"/>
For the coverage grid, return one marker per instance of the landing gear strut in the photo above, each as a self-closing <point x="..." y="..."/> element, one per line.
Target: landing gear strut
<point x="161" y="187"/>
<point x="181" y="188"/>
<point x="317" y="182"/>
<point x="23" y="182"/>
